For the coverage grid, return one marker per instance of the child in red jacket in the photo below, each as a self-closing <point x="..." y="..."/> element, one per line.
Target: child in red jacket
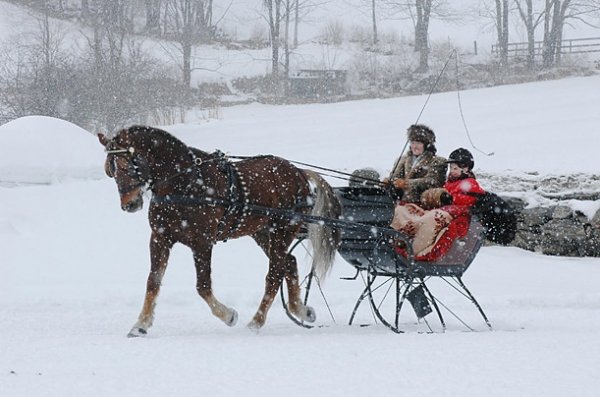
<point x="461" y="182"/>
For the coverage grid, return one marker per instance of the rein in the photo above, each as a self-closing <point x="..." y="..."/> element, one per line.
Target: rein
<point x="247" y="208"/>
<point x="351" y="176"/>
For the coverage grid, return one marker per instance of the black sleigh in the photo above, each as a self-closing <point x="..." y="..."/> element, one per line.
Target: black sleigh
<point x="393" y="281"/>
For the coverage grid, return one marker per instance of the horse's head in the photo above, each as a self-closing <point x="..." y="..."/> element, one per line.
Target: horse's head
<point x="126" y="164"/>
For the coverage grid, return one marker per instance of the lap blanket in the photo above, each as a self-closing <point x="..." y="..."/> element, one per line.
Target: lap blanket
<point x="432" y="232"/>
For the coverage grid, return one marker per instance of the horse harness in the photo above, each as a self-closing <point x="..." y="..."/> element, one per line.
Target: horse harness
<point x="238" y="193"/>
<point x="237" y="204"/>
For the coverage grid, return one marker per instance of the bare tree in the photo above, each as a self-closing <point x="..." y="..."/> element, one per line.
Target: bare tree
<point x="531" y="20"/>
<point x="423" y="15"/>
<point x="274" y="17"/>
<point x="421" y="12"/>
<point x="374" y="22"/>
<point x="301" y="9"/>
<point x="34" y="75"/>
<point x="191" y="22"/>
<point x="110" y="27"/>
<point x="153" y="8"/>
<point x="296" y="21"/>
<point x="85" y="9"/>
<point x="555" y="14"/>
<point x="48" y="51"/>
<point x="553" y="20"/>
<point x="502" y="12"/>
<point x="286" y="41"/>
<point x="371" y="9"/>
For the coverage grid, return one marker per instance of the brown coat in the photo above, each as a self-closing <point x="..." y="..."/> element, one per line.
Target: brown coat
<point x="429" y="171"/>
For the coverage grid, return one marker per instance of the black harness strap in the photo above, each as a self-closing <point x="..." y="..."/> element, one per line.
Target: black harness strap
<point x="238" y="194"/>
<point x="281" y="213"/>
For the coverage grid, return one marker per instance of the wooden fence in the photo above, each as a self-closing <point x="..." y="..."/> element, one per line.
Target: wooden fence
<point x="569" y="46"/>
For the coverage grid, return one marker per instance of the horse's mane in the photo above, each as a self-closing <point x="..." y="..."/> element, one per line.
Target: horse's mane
<point x="156" y="137"/>
<point x="148" y="139"/>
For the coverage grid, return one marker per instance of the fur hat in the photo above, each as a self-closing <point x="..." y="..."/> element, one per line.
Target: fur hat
<point x="462" y="157"/>
<point x="424" y="134"/>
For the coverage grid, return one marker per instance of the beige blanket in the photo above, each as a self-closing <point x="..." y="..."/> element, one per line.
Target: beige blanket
<point x="424" y="227"/>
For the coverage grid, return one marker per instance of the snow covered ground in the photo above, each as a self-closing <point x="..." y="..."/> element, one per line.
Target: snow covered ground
<point x="74" y="265"/>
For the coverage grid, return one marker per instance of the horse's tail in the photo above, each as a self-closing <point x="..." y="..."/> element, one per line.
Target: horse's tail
<point x="324" y="238"/>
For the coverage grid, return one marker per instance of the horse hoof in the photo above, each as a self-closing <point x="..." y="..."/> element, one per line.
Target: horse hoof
<point x="137" y="332"/>
<point x="311" y="315"/>
<point x="254" y="326"/>
<point x="233" y="319"/>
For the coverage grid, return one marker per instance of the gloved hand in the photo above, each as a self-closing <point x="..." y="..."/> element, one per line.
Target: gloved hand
<point x="400" y="183"/>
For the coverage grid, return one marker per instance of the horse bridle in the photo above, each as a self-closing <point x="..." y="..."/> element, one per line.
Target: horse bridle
<point x="136" y="167"/>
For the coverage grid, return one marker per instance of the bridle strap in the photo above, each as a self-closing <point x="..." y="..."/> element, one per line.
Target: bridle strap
<point x="129" y="150"/>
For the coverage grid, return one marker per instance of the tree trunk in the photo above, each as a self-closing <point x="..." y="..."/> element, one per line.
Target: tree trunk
<point x="187" y="63"/>
<point x="296" y="21"/>
<point x="85" y="10"/>
<point x="559" y="30"/>
<point x="153" y="16"/>
<point x="502" y="30"/>
<point x="505" y="32"/>
<point x="187" y="37"/>
<point x="530" y="34"/>
<point x="528" y="20"/>
<point x="423" y="8"/>
<point x="553" y="23"/>
<point x="374" y="18"/>
<point x="286" y="42"/>
<point x="274" y="15"/>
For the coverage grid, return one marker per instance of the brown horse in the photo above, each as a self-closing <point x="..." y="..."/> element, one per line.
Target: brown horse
<point x="200" y="198"/>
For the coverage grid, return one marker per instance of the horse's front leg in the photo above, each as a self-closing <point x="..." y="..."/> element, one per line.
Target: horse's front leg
<point x="202" y="257"/>
<point x="159" y="256"/>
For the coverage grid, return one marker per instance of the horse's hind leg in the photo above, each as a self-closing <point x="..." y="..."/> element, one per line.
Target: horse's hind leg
<point x="295" y="305"/>
<point x="281" y="264"/>
<point x="159" y="256"/>
<point x="202" y="256"/>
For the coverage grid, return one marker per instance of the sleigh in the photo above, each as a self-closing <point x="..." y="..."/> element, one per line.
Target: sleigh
<point x="393" y="278"/>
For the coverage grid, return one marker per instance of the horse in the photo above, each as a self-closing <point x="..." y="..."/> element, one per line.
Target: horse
<point x="200" y="198"/>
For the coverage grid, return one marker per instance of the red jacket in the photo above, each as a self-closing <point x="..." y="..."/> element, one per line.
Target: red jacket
<point x="459" y="190"/>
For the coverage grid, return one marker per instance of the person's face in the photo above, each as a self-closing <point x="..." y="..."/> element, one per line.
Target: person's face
<point x="417" y="147"/>
<point x="456" y="170"/>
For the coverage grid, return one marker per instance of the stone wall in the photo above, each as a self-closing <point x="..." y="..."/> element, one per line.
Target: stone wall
<point x="556" y="230"/>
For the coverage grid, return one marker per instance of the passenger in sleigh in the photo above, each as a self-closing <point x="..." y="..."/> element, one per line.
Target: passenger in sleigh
<point x="420" y="168"/>
<point x="444" y="214"/>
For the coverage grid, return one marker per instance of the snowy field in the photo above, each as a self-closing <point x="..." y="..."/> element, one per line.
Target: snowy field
<point x="74" y="266"/>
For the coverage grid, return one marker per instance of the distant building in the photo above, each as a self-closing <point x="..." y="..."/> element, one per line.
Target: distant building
<point x="316" y="83"/>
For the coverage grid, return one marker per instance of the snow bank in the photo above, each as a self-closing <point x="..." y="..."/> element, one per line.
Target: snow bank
<point x="37" y="149"/>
